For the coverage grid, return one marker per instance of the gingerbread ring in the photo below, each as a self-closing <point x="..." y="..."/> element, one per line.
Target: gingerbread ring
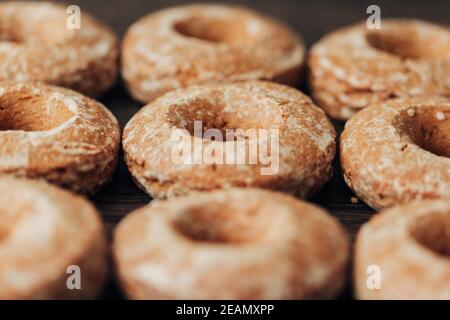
<point x="175" y="249"/>
<point x="289" y="139"/>
<point x="398" y="151"/>
<point x="198" y="44"/>
<point x="355" y="67"/>
<point x="408" y="248"/>
<point x="47" y="235"/>
<point x="39" y="43"/>
<point x="58" y="135"/>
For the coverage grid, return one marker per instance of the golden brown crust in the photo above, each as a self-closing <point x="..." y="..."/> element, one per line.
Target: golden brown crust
<point x="398" y="151"/>
<point x="37" y="46"/>
<point x="175" y="249"/>
<point x="205" y="43"/>
<point x="410" y="244"/>
<point x="43" y="231"/>
<point x="306" y="139"/>
<point x="56" y="134"/>
<point x="354" y="67"/>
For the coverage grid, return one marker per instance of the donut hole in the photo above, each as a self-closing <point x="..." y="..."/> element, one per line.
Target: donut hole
<point x="29" y="112"/>
<point x="429" y="128"/>
<point x="433" y="232"/>
<point x="214" y="30"/>
<point x="223" y="223"/>
<point x="408" y="40"/>
<point x="216" y="114"/>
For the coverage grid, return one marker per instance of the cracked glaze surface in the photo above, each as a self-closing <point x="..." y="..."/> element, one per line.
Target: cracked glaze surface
<point x="354" y="67"/>
<point x="268" y="245"/>
<point x="382" y="159"/>
<point x="37" y="46"/>
<point x="43" y="231"/>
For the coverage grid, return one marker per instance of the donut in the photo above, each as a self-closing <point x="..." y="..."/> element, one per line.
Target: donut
<point x="271" y="119"/>
<point x="207" y="43"/>
<point x="45" y="234"/>
<point x="409" y="245"/>
<point x="174" y="249"/>
<point x="38" y="45"/>
<point x="398" y="151"/>
<point x="56" y="134"/>
<point x="354" y="67"/>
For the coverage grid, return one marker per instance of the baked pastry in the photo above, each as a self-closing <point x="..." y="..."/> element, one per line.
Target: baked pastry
<point x="262" y="244"/>
<point x="38" y="43"/>
<point x="397" y="151"/>
<point x="48" y="235"/>
<point x="207" y="43"/>
<point x="56" y="134"/>
<point x="279" y="140"/>
<point x="408" y="248"/>
<point x="354" y="67"/>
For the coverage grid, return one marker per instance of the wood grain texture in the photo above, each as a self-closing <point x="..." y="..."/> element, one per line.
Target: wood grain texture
<point x="312" y="19"/>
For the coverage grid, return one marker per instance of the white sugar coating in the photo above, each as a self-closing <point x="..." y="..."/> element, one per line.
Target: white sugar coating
<point x="416" y="91"/>
<point x="347" y="112"/>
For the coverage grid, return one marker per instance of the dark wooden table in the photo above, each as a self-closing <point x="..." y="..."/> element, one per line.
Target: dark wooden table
<point x="312" y="19"/>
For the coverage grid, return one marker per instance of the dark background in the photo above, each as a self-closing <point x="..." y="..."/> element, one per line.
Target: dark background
<point x="312" y="19"/>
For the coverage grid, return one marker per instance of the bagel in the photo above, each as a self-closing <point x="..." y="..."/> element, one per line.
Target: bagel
<point x="58" y="135"/>
<point x="354" y="67"/>
<point x="207" y="43"/>
<point x="398" y="151"/>
<point x="300" y="140"/>
<point x="37" y="45"/>
<point x="44" y="231"/>
<point x="410" y="245"/>
<point x="174" y="249"/>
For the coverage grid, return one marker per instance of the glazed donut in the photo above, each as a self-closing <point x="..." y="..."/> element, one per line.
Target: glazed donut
<point x="37" y="45"/>
<point x="174" y="249"/>
<point x="354" y="67"/>
<point x="207" y="43"/>
<point x="410" y="246"/>
<point x="58" y="135"/>
<point x="398" y="151"/>
<point x="300" y="140"/>
<point x="44" y="231"/>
